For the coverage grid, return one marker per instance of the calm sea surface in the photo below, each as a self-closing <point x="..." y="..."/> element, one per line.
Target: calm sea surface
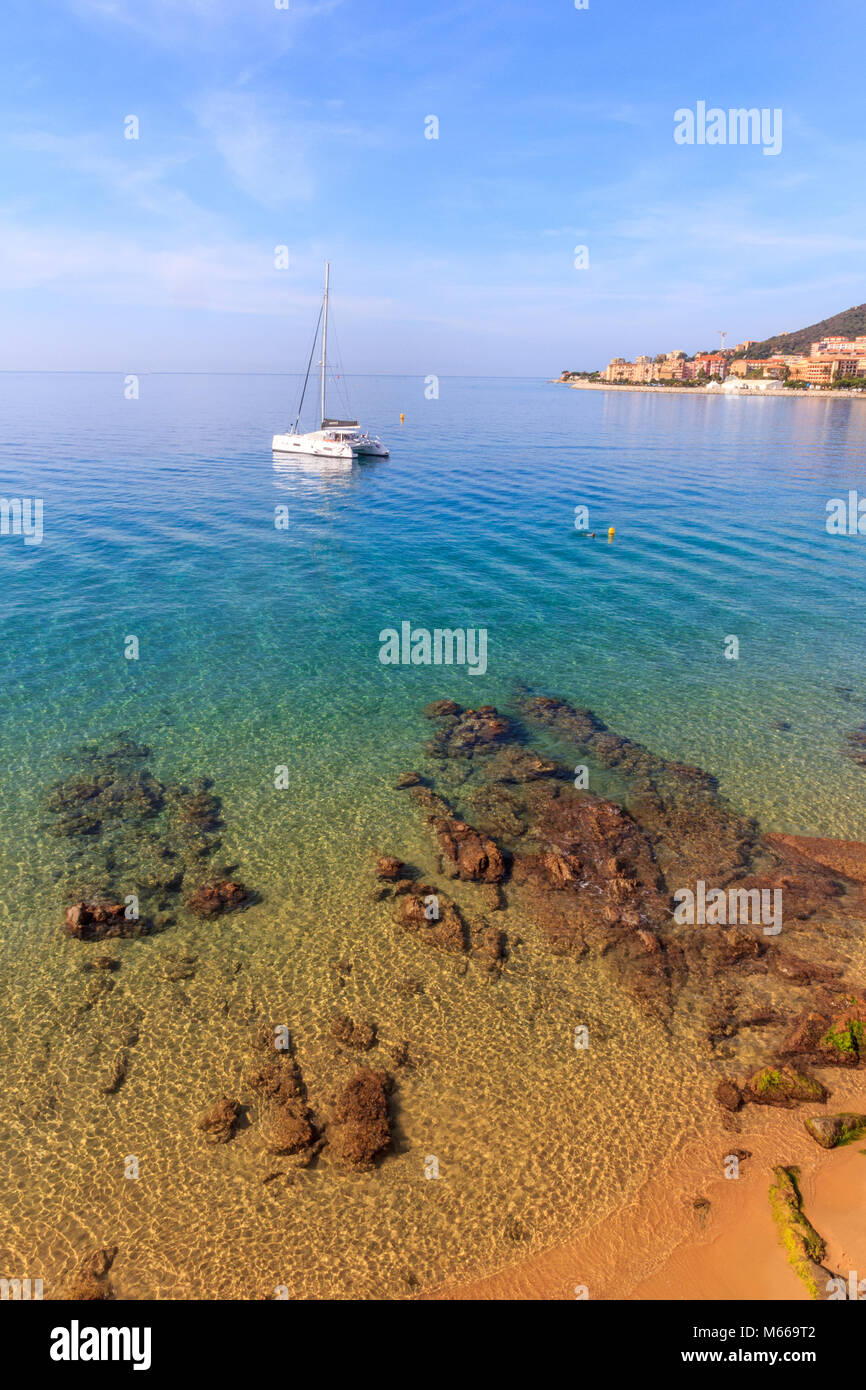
<point x="258" y="647"/>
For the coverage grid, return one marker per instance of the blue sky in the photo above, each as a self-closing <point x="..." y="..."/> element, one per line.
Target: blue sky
<point x="304" y="127"/>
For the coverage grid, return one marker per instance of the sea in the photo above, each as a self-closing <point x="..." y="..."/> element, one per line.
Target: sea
<point x="720" y="623"/>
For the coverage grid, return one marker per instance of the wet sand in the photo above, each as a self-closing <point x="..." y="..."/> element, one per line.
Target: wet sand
<point x="660" y="1246"/>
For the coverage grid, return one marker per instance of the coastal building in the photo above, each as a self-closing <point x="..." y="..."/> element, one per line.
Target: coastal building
<point x="618" y="370"/>
<point x="676" y="368"/>
<point x="830" y="359"/>
<point x="839" y="347"/>
<point x="712" y="364"/>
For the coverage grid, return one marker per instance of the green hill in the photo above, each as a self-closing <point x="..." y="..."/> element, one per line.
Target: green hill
<point x="849" y="324"/>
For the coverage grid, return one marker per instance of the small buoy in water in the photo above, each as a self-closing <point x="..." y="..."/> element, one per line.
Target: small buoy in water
<point x="610" y="533"/>
<point x="402" y="417"/>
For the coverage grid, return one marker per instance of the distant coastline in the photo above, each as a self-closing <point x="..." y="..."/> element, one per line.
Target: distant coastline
<point x="823" y="393"/>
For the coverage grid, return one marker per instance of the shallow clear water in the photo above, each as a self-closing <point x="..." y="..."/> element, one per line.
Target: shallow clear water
<point x="259" y="647"/>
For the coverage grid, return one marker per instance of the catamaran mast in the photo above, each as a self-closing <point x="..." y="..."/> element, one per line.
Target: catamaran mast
<point x="325" y="336"/>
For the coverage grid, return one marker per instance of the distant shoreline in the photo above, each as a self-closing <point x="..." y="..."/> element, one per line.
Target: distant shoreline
<point x="702" y="390"/>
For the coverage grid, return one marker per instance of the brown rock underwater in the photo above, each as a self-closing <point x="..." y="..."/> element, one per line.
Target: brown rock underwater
<point x="599" y="875"/>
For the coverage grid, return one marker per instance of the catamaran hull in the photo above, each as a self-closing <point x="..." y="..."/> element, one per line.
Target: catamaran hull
<point x="318" y="448"/>
<point x="297" y="444"/>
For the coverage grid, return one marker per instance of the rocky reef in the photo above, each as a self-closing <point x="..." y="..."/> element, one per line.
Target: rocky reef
<point x="601" y="875"/>
<point x="137" y="848"/>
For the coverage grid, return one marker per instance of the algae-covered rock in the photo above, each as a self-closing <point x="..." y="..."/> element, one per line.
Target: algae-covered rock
<point x="804" y="1247"/>
<point x="783" y="1086"/>
<point x="830" y="1131"/>
<point x="835" y="1037"/>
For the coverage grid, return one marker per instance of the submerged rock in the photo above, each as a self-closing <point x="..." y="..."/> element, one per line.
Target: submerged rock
<point x="361" y="1035"/>
<point x="89" y="1282"/>
<point x="464" y="732"/>
<point x="128" y="832"/>
<point x="361" y="1127"/>
<point x="728" y="1094"/>
<point x="408" y="779"/>
<point x="85" y="1288"/>
<point x="285" y="1131"/>
<point x="115" y="1074"/>
<point x="499" y="811"/>
<point x="442" y="709"/>
<point x="513" y="763"/>
<point x="96" y="921"/>
<point x="219" y="1121"/>
<point x="211" y="899"/>
<point x="101" y="963"/>
<point x="428" y="914"/>
<point x="593" y="884"/>
<point x="287" y="1121"/>
<point x="598" y="876"/>
<point x="389" y="868"/>
<point x="489" y="947"/>
<point x="695" y="834"/>
<point x="467" y="853"/>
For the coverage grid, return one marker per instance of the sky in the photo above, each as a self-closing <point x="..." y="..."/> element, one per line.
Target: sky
<point x="262" y="126"/>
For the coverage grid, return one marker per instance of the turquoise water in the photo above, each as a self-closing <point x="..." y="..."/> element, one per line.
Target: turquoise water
<point x="258" y="647"/>
<point x="262" y="645"/>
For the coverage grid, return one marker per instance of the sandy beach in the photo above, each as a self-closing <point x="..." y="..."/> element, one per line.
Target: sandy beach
<point x="704" y="390"/>
<point x="667" y="1244"/>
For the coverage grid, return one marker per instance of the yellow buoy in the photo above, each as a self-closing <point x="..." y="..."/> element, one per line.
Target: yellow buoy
<point x="610" y="533"/>
<point x="402" y="417"/>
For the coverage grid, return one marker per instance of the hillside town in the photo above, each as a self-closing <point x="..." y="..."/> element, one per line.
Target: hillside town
<point x="832" y="362"/>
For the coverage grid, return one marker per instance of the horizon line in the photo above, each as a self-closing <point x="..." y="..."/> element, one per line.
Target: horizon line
<point x="103" y="371"/>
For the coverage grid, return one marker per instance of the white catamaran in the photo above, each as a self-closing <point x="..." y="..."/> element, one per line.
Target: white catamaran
<point x="337" y="439"/>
